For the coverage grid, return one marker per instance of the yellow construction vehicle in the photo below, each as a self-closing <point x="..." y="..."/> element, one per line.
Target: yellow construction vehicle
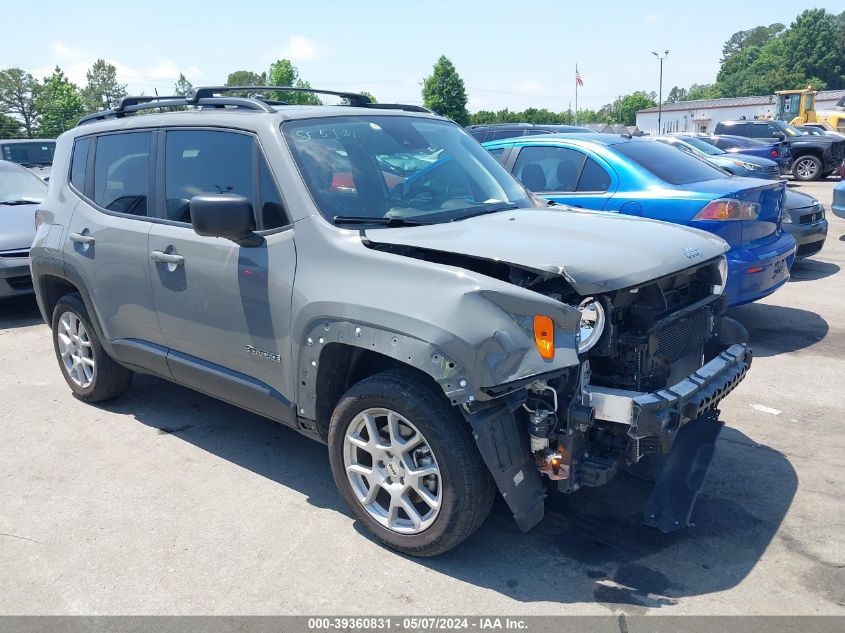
<point x="797" y="107"/>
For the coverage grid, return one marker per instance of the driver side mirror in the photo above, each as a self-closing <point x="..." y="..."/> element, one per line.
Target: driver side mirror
<point x="225" y="215"/>
<point x="779" y="136"/>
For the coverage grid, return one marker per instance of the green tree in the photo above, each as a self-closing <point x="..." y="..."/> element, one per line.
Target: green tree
<point x="444" y="92"/>
<point x="245" y="78"/>
<point x="182" y="86"/>
<point x="812" y="49"/>
<point x="102" y="90"/>
<point x="677" y="94"/>
<point x="10" y="127"/>
<point x="703" y="91"/>
<point x="758" y="36"/>
<point x="19" y="98"/>
<point x="370" y="95"/>
<point x="630" y="104"/>
<point x="284" y="73"/>
<point x="60" y="104"/>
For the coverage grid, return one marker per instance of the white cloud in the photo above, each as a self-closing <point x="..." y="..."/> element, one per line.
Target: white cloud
<point x="300" y="48"/>
<point x="651" y="19"/>
<point x="75" y="62"/>
<point x="527" y="86"/>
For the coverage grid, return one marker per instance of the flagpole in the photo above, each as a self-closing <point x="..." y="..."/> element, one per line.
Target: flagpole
<point x="576" y="93"/>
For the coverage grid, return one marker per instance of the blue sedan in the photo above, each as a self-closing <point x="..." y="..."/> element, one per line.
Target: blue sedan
<point x="647" y="178"/>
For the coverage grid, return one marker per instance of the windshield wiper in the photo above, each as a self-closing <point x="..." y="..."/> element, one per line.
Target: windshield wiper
<point x="14" y="203"/>
<point x="482" y="209"/>
<point x="362" y="219"/>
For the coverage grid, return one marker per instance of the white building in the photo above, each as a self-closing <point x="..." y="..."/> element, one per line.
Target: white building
<point x="703" y="115"/>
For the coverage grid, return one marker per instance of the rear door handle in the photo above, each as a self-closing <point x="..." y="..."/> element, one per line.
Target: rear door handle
<point x="167" y="258"/>
<point x="79" y="238"/>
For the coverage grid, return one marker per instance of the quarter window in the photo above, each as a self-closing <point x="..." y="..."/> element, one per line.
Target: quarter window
<point x="121" y="172"/>
<point x="498" y="153"/>
<point x="272" y="210"/>
<point x="593" y="177"/>
<point x="79" y="163"/>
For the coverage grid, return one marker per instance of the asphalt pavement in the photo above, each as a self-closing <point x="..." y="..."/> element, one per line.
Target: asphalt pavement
<point x="166" y="501"/>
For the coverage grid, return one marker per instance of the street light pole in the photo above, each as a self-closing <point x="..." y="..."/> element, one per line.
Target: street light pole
<point x="660" y="95"/>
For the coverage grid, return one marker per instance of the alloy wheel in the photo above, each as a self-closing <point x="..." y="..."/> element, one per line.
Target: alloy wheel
<point x="76" y="350"/>
<point x="806" y="169"/>
<point x="392" y="470"/>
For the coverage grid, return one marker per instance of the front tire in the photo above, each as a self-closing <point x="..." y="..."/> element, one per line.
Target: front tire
<point x="89" y="371"/>
<point x="807" y="168"/>
<point x="405" y="462"/>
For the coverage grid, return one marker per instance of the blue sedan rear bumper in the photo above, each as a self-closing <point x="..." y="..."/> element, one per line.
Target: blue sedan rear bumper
<point x="754" y="273"/>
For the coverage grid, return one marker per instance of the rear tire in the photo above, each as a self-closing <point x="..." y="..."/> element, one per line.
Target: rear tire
<point x="375" y="475"/>
<point x="807" y="168"/>
<point x="89" y="371"/>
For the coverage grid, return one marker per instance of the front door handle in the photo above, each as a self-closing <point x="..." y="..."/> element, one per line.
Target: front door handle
<point x="81" y="238"/>
<point x="167" y="258"/>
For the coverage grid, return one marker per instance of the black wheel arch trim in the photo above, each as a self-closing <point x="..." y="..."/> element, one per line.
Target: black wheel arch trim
<point x="506" y="453"/>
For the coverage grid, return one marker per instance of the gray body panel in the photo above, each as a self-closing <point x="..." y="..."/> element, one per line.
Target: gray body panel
<point x="254" y="324"/>
<point x="224" y="298"/>
<point x="115" y="270"/>
<point x="567" y="242"/>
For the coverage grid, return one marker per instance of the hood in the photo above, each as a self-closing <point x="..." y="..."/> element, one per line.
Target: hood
<point x="594" y="251"/>
<point x="17" y="227"/>
<point x="798" y="200"/>
<point x="42" y="171"/>
<point x="810" y="140"/>
<point x="748" y="158"/>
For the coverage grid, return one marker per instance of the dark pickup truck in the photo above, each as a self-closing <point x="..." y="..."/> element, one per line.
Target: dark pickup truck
<point x="813" y="157"/>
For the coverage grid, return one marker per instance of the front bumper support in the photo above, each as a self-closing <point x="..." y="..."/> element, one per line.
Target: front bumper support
<point x="651" y="414"/>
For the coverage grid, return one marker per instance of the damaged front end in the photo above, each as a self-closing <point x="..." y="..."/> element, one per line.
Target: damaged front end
<point x="653" y="363"/>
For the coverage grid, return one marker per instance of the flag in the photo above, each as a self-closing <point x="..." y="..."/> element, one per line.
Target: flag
<point x="578" y="79"/>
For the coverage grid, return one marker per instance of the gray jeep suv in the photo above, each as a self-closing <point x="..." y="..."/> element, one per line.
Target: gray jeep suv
<point x="370" y="276"/>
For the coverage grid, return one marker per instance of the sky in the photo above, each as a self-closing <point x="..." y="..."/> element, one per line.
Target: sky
<point x="509" y="54"/>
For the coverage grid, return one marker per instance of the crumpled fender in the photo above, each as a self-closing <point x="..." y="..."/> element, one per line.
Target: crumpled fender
<point x="492" y="344"/>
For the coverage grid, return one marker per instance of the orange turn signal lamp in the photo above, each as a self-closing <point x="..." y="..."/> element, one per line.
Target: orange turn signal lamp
<point x="544" y="336"/>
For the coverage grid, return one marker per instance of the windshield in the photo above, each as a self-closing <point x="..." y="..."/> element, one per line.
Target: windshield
<point x="399" y="168"/>
<point x="702" y="146"/>
<point x="17" y="184"/>
<point x="40" y="153"/>
<point x="789" y="130"/>
<point x="669" y="164"/>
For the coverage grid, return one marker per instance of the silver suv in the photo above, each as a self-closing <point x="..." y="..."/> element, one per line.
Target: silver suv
<point x="369" y="275"/>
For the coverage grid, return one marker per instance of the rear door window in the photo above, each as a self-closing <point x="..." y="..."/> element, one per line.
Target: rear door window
<point x="506" y="134"/>
<point x="667" y="163"/>
<point x="549" y="168"/>
<point x="121" y="172"/>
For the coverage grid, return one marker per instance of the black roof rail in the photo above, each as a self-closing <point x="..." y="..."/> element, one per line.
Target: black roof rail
<point x="407" y="107"/>
<point x="129" y="105"/>
<point x="513" y="125"/>
<point x="209" y="96"/>
<point x="355" y="99"/>
<point x="201" y="92"/>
